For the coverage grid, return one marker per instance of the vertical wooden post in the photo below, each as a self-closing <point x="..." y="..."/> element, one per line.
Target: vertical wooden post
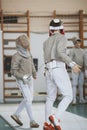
<point x="54" y="14"/>
<point x="0" y="6"/>
<point x="28" y="24"/>
<point x="81" y="27"/>
<point x="1" y="15"/>
<point x="81" y="32"/>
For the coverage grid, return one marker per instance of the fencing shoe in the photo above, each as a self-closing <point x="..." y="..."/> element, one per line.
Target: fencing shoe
<point x="48" y="126"/>
<point x="33" y="124"/>
<point x="83" y="101"/>
<point x="74" y="102"/>
<point x="55" y="122"/>
<point x="16" y="119"/>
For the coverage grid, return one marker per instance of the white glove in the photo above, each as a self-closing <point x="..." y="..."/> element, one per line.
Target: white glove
<point x="76" y="68"/>
<point x="26" y="78"/>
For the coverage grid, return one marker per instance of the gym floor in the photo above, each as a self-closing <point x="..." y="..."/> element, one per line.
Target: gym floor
<point x="75" y="118"/>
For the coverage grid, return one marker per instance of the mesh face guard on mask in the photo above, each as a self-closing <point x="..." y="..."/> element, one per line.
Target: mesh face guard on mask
<point x="56" y="24"/>
<point x="75" y="40"/>
<point x="23" y="41"/>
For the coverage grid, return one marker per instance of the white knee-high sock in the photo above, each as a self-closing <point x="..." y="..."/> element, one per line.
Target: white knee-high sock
<point x="48" y="109"/>
<point x="62" y="106"/>
<point x="74" y="92"/>
<point x="81" y="92"/>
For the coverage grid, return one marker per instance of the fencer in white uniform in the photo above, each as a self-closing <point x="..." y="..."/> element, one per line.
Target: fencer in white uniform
<point x="22" y="68"/>
<point x="55" y="59"/>
<point x="77" y="55"/>
<point x="85" y="63"/>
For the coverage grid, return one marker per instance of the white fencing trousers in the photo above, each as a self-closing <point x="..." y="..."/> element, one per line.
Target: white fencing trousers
<point x="57" y="77"/>
<point x="27" y="91"/>
<point x="78" y="80"/>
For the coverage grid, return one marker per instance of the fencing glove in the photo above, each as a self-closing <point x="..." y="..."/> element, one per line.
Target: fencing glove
<point x="26" y="78"/>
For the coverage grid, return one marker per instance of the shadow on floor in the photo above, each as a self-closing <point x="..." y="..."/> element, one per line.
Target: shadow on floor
<point x="78" y="109"/>
<point x="4" y="125"/>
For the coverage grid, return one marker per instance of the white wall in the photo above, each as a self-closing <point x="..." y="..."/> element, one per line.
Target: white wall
<point x="39" y="6"/>
<point x="36" y="44"/>
<point x="1" y="69"/>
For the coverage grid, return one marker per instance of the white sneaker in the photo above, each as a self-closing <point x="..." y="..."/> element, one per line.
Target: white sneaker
<point x="33" y="124"/>
<point x="55" y="122"/>
<point x="16" y="119"/>
<point x="74" y="102"/>
<point x="83" y="101"/>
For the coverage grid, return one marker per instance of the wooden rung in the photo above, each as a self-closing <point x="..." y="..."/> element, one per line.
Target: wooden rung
<point x="85" y="30"/>
<point x="71" y="23"/>
<point x="85" y="47"/>
<point x="69" y="47"/>
<point x="15" y="31"/>
<point x="9" y="48"/>
<point x="18" y="15"/>
<point x="7" y="55"/>
<point x="71" y="31"/>
<point x="7" y="88"/>
<point x="85" y="38"/>
<point x="13" y="96"/>
<point x="13" y="24"/>
<point x="68" y="25"/>
<point x="67" y="15"/>
<point x="9" y="39"/>
<point x="9" y="80"/>
<point x="21" y="23"/>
